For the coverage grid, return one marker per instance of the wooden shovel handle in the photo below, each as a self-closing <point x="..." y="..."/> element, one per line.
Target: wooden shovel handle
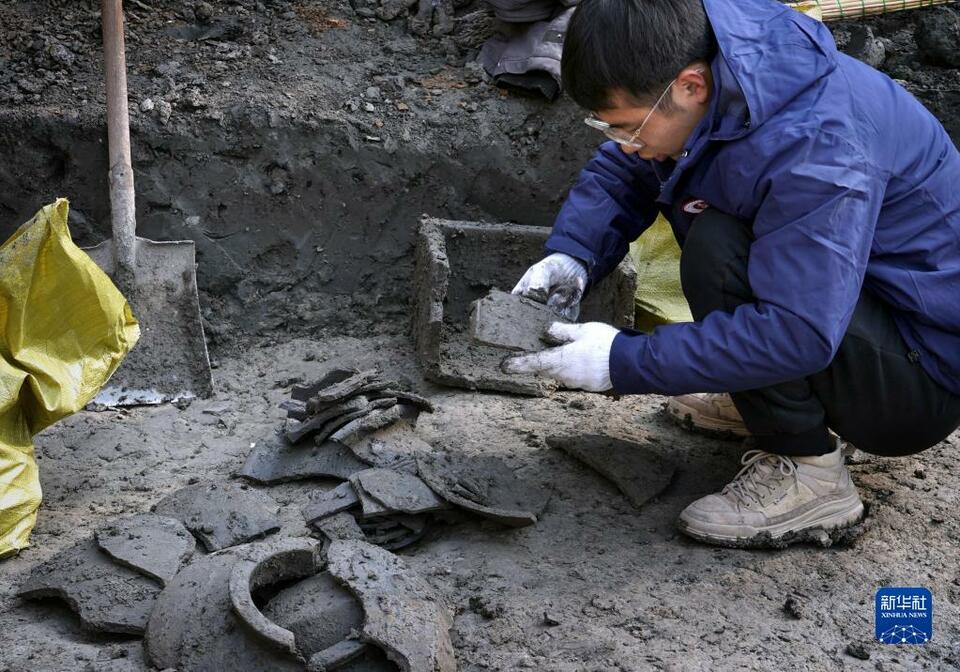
<point x="122" y="199"/>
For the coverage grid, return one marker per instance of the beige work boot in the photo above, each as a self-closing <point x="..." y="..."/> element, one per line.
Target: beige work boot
<point x="776" y="500"/>
<point x="709" y="413"/>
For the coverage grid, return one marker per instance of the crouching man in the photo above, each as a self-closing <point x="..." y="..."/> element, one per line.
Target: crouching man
<point x="817" y="205"/>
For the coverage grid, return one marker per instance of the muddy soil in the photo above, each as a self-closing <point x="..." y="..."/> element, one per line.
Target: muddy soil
<point x="595" y="584"/>
<point x="297" y="144"/>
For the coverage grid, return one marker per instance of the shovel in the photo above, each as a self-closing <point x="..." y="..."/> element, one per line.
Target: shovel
<point x="170" y="362"/>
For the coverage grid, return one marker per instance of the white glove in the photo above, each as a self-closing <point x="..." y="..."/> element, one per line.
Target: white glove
<point x="557" y="280"/>
<point x="583" y="363"/>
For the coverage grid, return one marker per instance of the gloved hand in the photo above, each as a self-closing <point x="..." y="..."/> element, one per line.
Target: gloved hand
<point x="582" y="363"/>
<point x="559" y="281"/>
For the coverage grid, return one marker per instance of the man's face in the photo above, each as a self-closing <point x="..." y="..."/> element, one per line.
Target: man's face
<point x="667" y="128"/>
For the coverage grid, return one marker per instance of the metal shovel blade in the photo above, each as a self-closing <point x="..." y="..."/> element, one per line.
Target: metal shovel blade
<point x="170" y="361"/>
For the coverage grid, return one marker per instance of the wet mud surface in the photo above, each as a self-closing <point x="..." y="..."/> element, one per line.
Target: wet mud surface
<point x="595" y="584"/>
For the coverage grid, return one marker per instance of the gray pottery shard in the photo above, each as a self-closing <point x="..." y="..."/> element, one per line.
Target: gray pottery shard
<point x="394" y="447"/>
<point x="400" y="491"/>
<point x="221" y="515"/>
<point x="276" y="461"/>
<point x="368" y="505"/>
<point x="395" y="531"/>
<point x="344" y="388"/>
<point x="421" y="403"/>
<point x="320" y="612"/>
<point x="403" y="615"/>
<point x="381" y="413"/>
<point x="269" y="564"/>
<point x="315" y="423"/>
<point x="200" y="625"/>
<point x="155" y="546"/>
<point x="484" y="485"/>
<point x="339" y="526"/>
<point x="510" y="321"/>
<point x="108" y="597"/>
<point x="331" y="377"/>
<point x="331" y="502"/>
<point x="638" y="472"/>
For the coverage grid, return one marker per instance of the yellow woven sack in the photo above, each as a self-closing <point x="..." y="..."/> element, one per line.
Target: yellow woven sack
<point x="659" y="298"/>
<point x="64" y="329"/>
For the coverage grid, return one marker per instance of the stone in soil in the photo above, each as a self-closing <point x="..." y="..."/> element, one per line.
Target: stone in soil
<point x="155" y="546"/>
<point x="510" y="321"/>
<point x="639" y="472"/>
<point x="221" y="515"/>
<point x="107" y="597"/>
<point x="276" y="461"/>
<point x="404" y="615"/>
<point x="485" y="485"/>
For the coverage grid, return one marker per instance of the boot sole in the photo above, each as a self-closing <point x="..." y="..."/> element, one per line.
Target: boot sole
<point x="830" y="523"/>
<point x="684" y="416"/>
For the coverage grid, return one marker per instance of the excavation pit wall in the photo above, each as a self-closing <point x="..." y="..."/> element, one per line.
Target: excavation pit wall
<point x="300" y="228"/>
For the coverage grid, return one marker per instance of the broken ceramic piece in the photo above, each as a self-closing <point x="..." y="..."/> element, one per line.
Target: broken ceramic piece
<point x="276" y="461"/>
<point x="638" y="472"/>
<point x="399" y="491"/>
<point x="394" y="447"/>
<point x="274" y="563"/>
<point x="343" y="425"/>
<point x="368" y="505"/>
<point x="196" y="627"/>
<point x="376" y="388"/>
<point x="344" y="388"/>
<point x="296" y="410"/>
<point x="394" y="531"/>
<point x="155" y="546"/>
<point x="403" y="614"/>
<point x="331" y="377"/>
<point x="511" y="321"/>
<point x="107" y="596"/>
<point x="331" y="502"/>
<point x="221" y="515"/>
<point x="339" y="526"/>
<point x="319" y="611"/>
<point x="485" y="485"/>
<point x="390" y="413"/>
<point x="315" y="423"/>
<point x="422" y="403"/>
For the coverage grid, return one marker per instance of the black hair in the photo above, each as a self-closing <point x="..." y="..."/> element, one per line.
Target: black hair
<point x="637" y="46"/>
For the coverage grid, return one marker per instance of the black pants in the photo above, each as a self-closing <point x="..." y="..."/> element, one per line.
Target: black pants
<point x="874" y="394"/>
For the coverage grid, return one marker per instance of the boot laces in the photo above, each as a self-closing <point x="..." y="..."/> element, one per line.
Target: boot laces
<point x="758" y="468"/>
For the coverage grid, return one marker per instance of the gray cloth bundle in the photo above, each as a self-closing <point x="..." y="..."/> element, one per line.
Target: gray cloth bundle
<point x="527" y="56"/>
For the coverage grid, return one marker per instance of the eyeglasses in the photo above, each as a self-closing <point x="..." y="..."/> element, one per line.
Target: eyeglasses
<point x="623" y="136"/>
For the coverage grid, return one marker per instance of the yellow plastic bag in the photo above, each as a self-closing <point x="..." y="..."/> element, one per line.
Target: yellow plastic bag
<point x="64" y="329"/>
<point x="659" y="298"/>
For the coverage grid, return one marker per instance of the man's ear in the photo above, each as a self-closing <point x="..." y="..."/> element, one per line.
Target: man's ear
<point x="694" y="84"/>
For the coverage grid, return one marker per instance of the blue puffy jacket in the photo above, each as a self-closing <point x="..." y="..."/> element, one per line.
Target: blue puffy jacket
<point x="848" y="180"/>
